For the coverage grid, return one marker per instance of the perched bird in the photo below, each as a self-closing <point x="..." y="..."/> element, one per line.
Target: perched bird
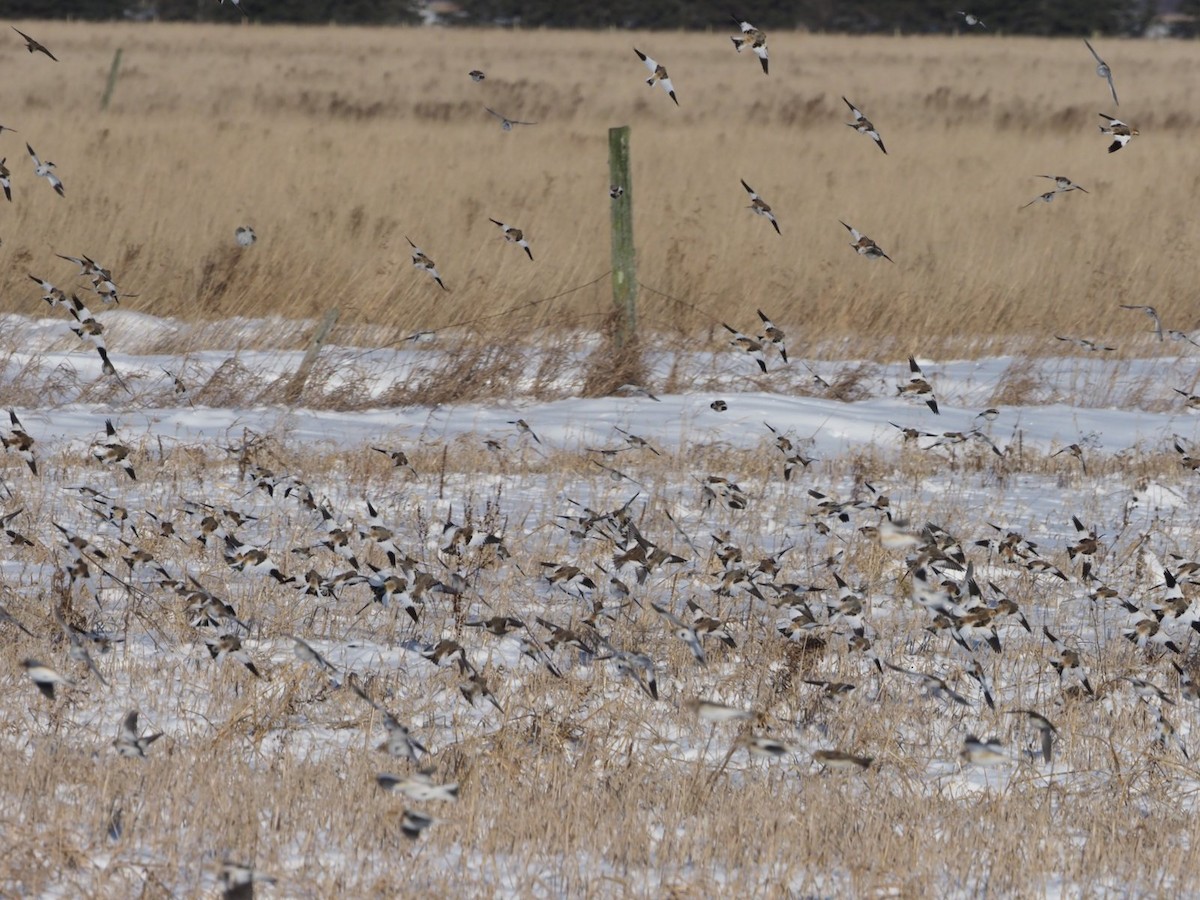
<point x="31" y="45"/>
<point x="1103" y="70"/>
<point x="476" y="75"/>
<point x="424" y="263"/>
<point x="514" y="236"/>
<point x="659" y="74"/>
<point x="1063" y="184"/>
<point x="753" y="38"/>
<point x="864" y="246"/>
<point x="244" y="235"/>
<point x="44" y="170"/>
<point x="760" y="208"/>
<point x="1121" y="133"/>
<point x="1152" y="313"/>
<point x="863" y="125"/>
<point x="45" y="678"/>
<point x="127" y="741"/>
<point x="972" y="19"/>
<point x="506" y="124"/>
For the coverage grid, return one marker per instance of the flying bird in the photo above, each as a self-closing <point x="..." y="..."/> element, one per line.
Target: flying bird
<point x="476" y="75"/>
<point x="1152" y="313"/>
<point x="1047" y="197"/>
<point x="514" y="236"/>
<point x="45" y="679"/>
<point x="1063" y="183"/>
<point x="506" y="123"/>
<point x="864" y="246"/>
<point x="238" y="4"/>
<point x="43" y="170"/>
<point x="659" y="74"/>
<point x="127" y="741"/>
<point x="1121" y="133"/>
<point x="760" y="207"/>
<point x="972" y="19"/>
<point x="244" y="235"/>
<point x="31" y="45"/>
<point x="863" y="125"/>
<point x="6" y="179"/>
<point x="1103" y="70"/>
<point x="754" y="39"/>
<point x="424" y="263"/>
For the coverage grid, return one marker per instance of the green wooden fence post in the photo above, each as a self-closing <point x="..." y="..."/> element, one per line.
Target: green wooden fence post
<point x="112" y="80"/>
<point x="624" y="266"/>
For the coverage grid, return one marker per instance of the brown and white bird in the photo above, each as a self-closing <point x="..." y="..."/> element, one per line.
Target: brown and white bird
<point x="424" y="263"/>
<point x="19" y="441"/>
<point x="1047" y="197"/>
<point x="1063" y="184"/>
<point x="918" y="386"/>
<point x="6" y="179"/>
<point x="506" y="124"/>
<point x="760" y="208"/>
<point x="231" y="645"/>
<point x="658" y="73"/>
<point x="44" y="678"/>
<point x="112" y="452"/>
<point x="514" y="236"/>
<point x="863" y="125"/>
<point x="33" y="46"/>
<point x="864" y="246"/>
<point x="1104" y="71"/>
<point x="127" y="741"/>
<point x="45" y="170"/>
<point x="1121" y="133"/>
<point x="476" y="75"/>
<point x="1152" y="313"/>
<point x="753" y="38"/>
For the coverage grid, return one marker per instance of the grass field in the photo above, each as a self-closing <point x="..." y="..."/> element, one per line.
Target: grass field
<point x="336" y="143"/>
<point x="580" y="779"/>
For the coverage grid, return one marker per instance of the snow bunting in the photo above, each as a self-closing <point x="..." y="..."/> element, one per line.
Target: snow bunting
<point x="918" y="386"/>
<point x="45" y="678"/>
<point x="424" y="263"/>
<point x="760" y="208"/>
<point x="113" y="452"/>
<point x="838" y="759"/>
<point x="980" y="752"/>
<point x="1043" y="726"/>
<point x="413" y="823"/>
<point x="44" y="170"/>
<point x="864" y="246"/>
<point x="419" y="787"/>
<point x="33" y="46"/>
<point x="127" y="741"/>
<point x="659" y="74"/>
<point x="754" y="39"/>
<point x="237" y="880"/>
<point x="19" y="441"/>
<point x="6" y="179"/>
<point x="476" y="75"/>
<point x="514" y="236"/>
<point x="506" y="124"/>
<point x="1063" y="183"/>
<point x="1152" y="313"/>
<point x="244" y="235"/>
<point x="1103" y="70"/>
<point x="1121" y="133"/>
<point x="1068" y="661"/>
<point x="230" y="645"/>
<point x="863" y="125"/>
<point x="1047" y="197"/>
<point x="971" y="19"/>
<point x="712" y="711"/>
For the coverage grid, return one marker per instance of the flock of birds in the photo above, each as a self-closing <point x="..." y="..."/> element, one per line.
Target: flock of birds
<point x="614" y="574"/>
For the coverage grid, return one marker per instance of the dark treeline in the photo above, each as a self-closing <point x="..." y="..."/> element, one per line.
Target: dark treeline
<point x="1037" y="17"/>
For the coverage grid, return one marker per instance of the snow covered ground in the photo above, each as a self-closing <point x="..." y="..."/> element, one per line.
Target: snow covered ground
<point x="583" y="763"/>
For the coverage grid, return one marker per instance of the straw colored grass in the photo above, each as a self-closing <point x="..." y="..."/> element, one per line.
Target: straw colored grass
<point x="336" y="143"/>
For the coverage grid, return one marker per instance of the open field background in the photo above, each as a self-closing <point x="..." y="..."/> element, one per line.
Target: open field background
<point x="336" y="143"/>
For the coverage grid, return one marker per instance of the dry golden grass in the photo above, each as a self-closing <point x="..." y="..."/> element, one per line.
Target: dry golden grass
<point x="335" y="143"/>
<point x="582" y="786"/>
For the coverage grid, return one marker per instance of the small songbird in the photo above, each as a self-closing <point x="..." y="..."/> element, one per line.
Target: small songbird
<point x="506" y="124"/>
<point x="31" y="45"/>
<point x="1063" y="183"/>
<point x="759" y="207"/>
<point x="19" y="441"/>
<point x="918" y="386"/>
<point x="112" y="451"/>
<point x="658" y="73"/>
<point x="244" y="235"/>
<point x="476" y="75"/>
<point x="413" y="823"/>
<point x="424" y="263"/>
<point x="45" y="678"/>
<point x="238" y="4"/>
<point x="127" y="741"/>
<point x="43" y="170"/>
<point x="864" y="246"/>
<point x="237" y="881"/>
<point x="231" y="645"/>
<point x="6" y="179"/>
<point x="1152" y="313"/>
<point x="1103" y="70"/>
<point x="1047" y="197"/>
<point x="972" y="19"/>
<point x="863" y="125"/>
<point x="1121" y="133"/>
<point x="514" y="236"/>
<point x="755" y="39"/>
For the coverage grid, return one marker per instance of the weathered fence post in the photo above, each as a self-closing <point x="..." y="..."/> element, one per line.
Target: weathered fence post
<point x="112" y="80"/>
<point x="296" y="386"/>
<point x="624" y="266"/>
